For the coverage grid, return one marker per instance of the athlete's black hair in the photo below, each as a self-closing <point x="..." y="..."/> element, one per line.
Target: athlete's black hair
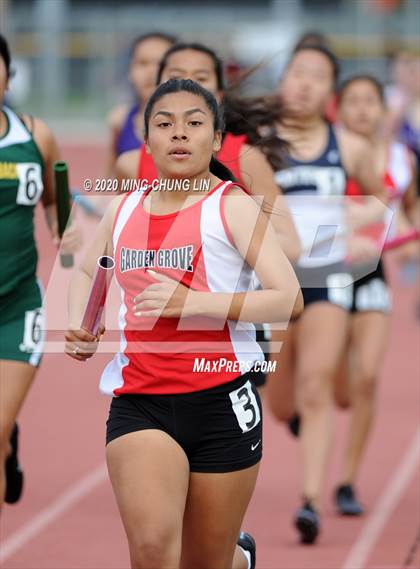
<point x="325" y="51"/>
<point x="313" y="37"/>
<point x="171" y="39"/>
<point x="256" y="117"/>
<point x="5" y="54"/>
<point x="188" y="86"/>
<point x="218" y="65"/>
<point x="374" y="81"/>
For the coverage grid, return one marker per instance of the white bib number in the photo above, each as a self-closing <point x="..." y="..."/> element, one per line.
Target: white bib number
<point x="340" y="289"/>
<point x="30" y="183"/>
<point x="245" y="407"/>
<point x="374" y="295"/>
<point x="34" y="331"/>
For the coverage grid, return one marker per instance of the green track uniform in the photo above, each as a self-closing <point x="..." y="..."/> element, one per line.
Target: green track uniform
<point x="21" y="313"/>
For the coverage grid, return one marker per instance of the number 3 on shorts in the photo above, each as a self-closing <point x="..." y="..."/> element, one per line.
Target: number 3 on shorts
<point x="245" y="407"/>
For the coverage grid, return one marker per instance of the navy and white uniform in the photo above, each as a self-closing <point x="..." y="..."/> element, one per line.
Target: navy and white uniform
<point x="314" y="191"/>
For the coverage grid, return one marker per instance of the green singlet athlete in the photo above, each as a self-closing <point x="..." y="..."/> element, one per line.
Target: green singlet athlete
<point x="22" y="169"/>
<point x="27" y="153"/>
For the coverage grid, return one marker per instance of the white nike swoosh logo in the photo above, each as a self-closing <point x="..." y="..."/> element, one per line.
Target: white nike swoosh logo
<point x="253" y="447"/>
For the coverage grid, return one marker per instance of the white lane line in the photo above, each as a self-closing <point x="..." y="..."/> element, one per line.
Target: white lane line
<point x="376" y="522"/>
<point x="46" y="517"/>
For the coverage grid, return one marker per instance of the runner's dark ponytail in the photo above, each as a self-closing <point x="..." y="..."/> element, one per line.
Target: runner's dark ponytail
<point x="220" y="170"/>
<point x="256" y="117"/>
<point x="5" y="54"/>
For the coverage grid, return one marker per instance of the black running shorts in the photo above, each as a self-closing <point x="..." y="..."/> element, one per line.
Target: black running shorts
<point x="330" y="283"/>
<point x="371" y="293"/>
<point x="219" y="429"/>
<point x="354" y="288"/>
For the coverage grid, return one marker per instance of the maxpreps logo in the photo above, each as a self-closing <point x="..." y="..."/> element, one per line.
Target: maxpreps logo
<point x="178" y="258"/>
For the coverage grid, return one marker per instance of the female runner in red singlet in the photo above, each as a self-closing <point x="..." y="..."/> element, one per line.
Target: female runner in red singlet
<point x="184" y="437"/>
<point x="362" y="111"/>
<point x="241" y="153"/>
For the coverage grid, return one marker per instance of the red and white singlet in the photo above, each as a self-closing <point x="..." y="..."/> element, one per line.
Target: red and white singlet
<point x="194" y="247"/>
<point x="397" y="180"/>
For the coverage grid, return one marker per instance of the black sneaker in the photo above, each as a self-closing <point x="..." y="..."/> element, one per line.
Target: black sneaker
<point x="14" y="474"/>
<point x="294" y="425"/>
<point x="346" y="501"/>
<point x="247" y="542"/>
<point x="307" y="523"/>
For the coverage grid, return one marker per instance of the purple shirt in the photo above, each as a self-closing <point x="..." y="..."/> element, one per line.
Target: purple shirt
<point x="128" y="139"/>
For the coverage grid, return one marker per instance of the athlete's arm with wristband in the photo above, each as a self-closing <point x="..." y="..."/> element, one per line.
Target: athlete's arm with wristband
<point x="97" y="295"/>
<point x="62" y="196"/>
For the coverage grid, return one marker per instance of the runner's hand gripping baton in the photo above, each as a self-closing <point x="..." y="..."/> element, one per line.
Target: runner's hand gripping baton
<point x="62" y="197"/>
<point x="97" y="294"/>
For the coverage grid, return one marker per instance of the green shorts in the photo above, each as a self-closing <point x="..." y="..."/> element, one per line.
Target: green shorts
<point x="22" y="324"/>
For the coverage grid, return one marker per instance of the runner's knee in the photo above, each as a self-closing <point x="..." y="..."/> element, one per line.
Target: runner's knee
<point x="365" y="384"/>
<point x="154" y="548"/>
<point x="342" y="401"/>
<point x="282" y="411"/>
<point x="315" y="391"/>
